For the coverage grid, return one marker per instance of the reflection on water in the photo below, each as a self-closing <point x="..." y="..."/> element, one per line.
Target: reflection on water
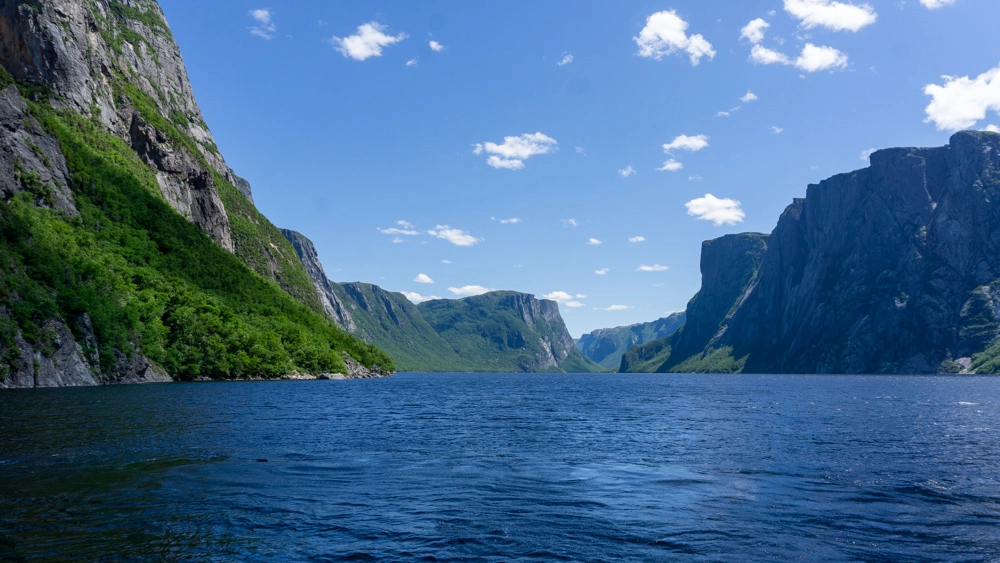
<point x="505" y="467"/>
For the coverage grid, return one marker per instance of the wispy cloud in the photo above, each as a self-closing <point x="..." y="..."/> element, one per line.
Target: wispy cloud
<point x="653" y="268"/>
<point x="935" y="4"/>
<point x="626" y="172"/>
<point x="602" y="271"/>
<point x="513" y="151"/>
<point x="417" y="298"/>
<point x="962" y="101"/>
<point x="565" y="60"/>
<point x="457" y="237"/>
<point x="665" y="33"/>
<point x="445" y="261"/>
<point x="748" y="97"/>
<point x="469" y="290"/>
<point x="368" y="42"/>
<point x="569" y="222"/>
<point x="718" y="211"/>
<point x="636" y="239"/>
<point x="614" y="308"/>
<point x="423" y="278"/>
<point x="412" y="62"/>
<point x="404" y="228"/>
<point x="435" y="46"/>
<point x="265" y="28"/>
<point x="510" y="221"/>
<point x="593" y="241"/>
<point x="565" y="298"/>
<point x="812" y="58"/>
<point x="777" y="130"/>
<point x="671" y="165"/>
<point x="865" y="154"/>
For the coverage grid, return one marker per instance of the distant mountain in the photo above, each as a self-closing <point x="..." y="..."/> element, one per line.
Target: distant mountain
<point x="894" y="268"/>
<point x="606" y="345"/>
<point x="501" y="331"/>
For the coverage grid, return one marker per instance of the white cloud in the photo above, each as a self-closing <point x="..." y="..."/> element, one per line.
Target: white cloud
<point x="580" y="296"/>
<point x="367" y="42"/>
<point x="435" y="46"/>
<point x="412" y="62"/>
<point x="565" y="298"/>
<point x="565" y="60"/>
<point x="636" y="239"/>
<point x="614" y="308"/>
<point x="457" y="237"/>
<point x="671" y="166"/>
<point x="602" y="271"/>
<point x="511" y="221"/>
<point x="992" y="128"/>
<point x="811" y="59"/>
<point x="653" y="268"/>
<point x="445" y="261"/>
<point x="405" y="224"/>
<point x="513" y="151"/>
<point x="569" y="222"/>
<point x="962" y="101"/>
<point x="686" y="143"/>
<point x="626" y="172"/>
<point x="469" y="290"/>
<point x="815" y="58"/>
<point x="837" y="16"/>
<point x="665" y="34"/>
<point x="265" y="28"/>
<point x="754" y="31"/>
<point x="935" y="4"/>
<point x="423" y="278"/>
<point x="722" y="114"/>
<point x="867" y="153"/>
<point x="395" y="231"/>
<point x="593" y="241"/>
<point x="417" y="298"/>
<point x="748" y="97"/>
<point x="695" y="178"/>
<point x="777" y="130"/>
<point x="718" y="211"/>
<point x="397" y="240"/>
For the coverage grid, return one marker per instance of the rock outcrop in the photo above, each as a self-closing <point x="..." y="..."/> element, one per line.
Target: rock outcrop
<point x="332" y="304"/>
<point x="894" y="268"/>
<point x="606" y="346"/>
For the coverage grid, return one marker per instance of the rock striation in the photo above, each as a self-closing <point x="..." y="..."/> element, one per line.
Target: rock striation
<point x="894" y="268"/>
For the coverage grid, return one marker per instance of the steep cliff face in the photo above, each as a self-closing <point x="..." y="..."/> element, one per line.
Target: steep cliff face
<point x="125" y="244"/>
<point x="332" y="304"/>
<point x="730" y="273"/>
<point x="607" y="345"/>
<point x="506" y="331"/>
<point x="890" y="269"/>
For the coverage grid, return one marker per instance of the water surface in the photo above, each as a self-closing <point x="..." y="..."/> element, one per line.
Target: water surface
<point x="477" y="467"/>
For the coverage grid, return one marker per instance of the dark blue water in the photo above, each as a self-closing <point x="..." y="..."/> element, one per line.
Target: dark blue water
<point x="506" y="468"/>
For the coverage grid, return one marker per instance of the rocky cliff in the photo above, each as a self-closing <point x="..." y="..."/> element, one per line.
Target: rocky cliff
<point x="506" y="331"/>
<point x="332" y="304"/>
<point x="606" y="346"/>
<point x="126" y="238"/>
<point x="894" y="268"/>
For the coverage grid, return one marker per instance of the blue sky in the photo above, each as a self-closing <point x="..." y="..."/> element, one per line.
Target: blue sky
<point x="580" y="150"/>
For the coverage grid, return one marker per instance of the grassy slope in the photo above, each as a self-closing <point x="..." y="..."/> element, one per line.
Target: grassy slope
<point x="390" y="321"/>
<point x="148" y="278"/>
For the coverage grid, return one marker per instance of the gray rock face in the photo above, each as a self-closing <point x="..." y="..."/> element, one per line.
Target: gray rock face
<point x="244" y="187"/>
<point x="30" y="159"/>
<point x="58" y="360"/>
<point x="894" y="268"/>
<point x="79" y="51"/>
<point x="332" y="304"/>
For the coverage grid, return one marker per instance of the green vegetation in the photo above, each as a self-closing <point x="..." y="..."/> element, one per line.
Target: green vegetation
<point x="715" y="361"/>
<point x="607" y="345"/>
<point x="391" y="322"/>
<point x="116" y="31"/>
<point x="147" y="278"/>
<point x="489" y="333"/>
<point x="5" y="78"/>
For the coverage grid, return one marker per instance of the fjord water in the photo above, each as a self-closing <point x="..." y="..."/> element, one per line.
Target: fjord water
<point x="487" y="467"/>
